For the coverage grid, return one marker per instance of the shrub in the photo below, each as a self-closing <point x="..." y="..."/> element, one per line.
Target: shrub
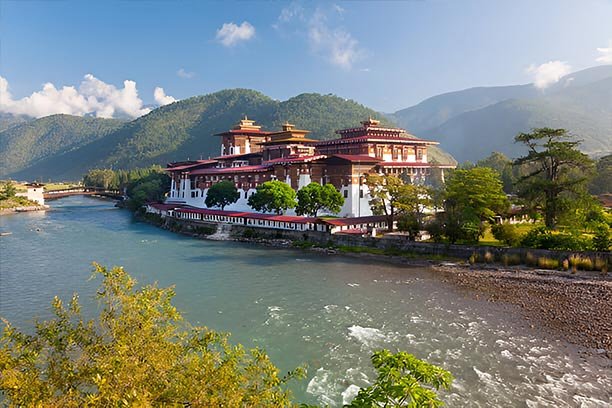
<point x="565" y="265"/>
<point x="506" y="233"/>
<point x="601" y="240"/>
<point x="548" y="263"/>
<point x="488" y="257"/>
<point x="530" y="259"/>
<point x="544" y="238"/>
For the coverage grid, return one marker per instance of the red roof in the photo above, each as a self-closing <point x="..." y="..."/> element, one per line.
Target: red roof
<point x="189" y="166"/>
<point x="234" y="156"/>
<point x="257" y="132"/>
<point x="230" y="170"/>
<point x="371" y="138"/>
<point x="343" y="222"/>
<point x="296" y="159"/>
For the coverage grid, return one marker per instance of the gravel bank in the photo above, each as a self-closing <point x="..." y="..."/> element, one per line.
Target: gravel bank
<point x="576" y="308"/>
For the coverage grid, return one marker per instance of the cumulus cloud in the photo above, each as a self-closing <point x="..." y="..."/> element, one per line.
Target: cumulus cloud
<point x="231" y="34"/>
<point x="548" y="73"/>
<point x="605" y="54"/>
<point x="93" y="96"/>
<point x="185" y="74"/>
<point x="161" y="97"/>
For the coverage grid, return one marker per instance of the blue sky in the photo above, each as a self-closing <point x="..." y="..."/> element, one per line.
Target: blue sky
<point x="386" y="55"/>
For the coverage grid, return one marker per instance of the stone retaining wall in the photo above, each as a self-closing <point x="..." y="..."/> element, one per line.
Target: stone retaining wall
<point x="398" y="243"/>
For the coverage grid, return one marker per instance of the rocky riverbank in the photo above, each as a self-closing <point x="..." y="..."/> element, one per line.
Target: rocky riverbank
<point x="19" y="209"/>
<point x="575" y="308"/>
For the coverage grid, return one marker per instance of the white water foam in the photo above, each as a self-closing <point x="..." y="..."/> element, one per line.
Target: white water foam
<point x="349" y="394"/>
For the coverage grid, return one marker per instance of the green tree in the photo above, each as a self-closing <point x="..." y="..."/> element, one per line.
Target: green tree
<point x="150" y="188"/>
<point x="8" y="191"/>
<point x="602" y="182"/>
<point x="273" y="196"/>
<point x="315" y="197"/>
<point x="137" y="352"/>
<point x="503" y="165"/>
<point x="471" y="197"/>
<point x="403" y="381"/>
<point x="386" y="192"/>
<point x="478" y="189"/>
<point x="560" y="172"/>
<point x="601" y="239"/>
<point x="222" y="194"/>
<point x="413" y="201"/>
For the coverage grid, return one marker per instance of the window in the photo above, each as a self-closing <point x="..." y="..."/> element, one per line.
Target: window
<point x="360" y="193"/>
<point x="345" y="193"/>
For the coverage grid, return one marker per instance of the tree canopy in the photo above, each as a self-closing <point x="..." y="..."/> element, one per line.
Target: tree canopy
<point x="137" y="352"/>
<point x="222" y="194"/>
<point x="560" y="172"/>
<point x="273" y="196"/>
<point x="315" y="197"/>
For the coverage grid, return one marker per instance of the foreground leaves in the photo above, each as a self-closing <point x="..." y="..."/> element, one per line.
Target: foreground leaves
<point x="138" y="352"/>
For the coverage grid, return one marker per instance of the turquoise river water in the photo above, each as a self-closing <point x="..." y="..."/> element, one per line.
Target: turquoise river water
<point x="326" y="311"/>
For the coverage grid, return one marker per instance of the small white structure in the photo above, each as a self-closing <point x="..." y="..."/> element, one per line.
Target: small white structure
<point x="35" y="193"/>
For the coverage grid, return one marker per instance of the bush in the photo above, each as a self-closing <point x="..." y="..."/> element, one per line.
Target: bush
<point x="601" y="240"/>
<point x="544" y="238"/>
<point x="548" y="263"/>
<point x="506" y="233"/>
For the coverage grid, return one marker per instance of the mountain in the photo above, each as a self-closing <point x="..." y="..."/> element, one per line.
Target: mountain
<point x="182" y="130"/>
<point x="434" y="111"/>
<point x="8" y="120"/>
<point x="27" y="143"/>
<point x="470" y="124"/>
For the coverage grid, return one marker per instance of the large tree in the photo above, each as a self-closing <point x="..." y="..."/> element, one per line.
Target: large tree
<point x="315" y="197"/>
<point x="386" y="192"/>
<point x="472" y="197"/>
<point x="273" y="196"/>
<point x="222" y="194"/>
<point x="559" y="171"/>
<point x="414" y="200"/>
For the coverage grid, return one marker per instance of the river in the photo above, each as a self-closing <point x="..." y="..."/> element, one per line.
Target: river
<point x="328" y="312"/>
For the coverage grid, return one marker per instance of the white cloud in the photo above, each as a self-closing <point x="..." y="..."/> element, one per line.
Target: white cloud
<point x="325" y="38"/>
<point x="230" y="34"/>
<point x="93" y="96"/>
<point x="161" y="97"/>
<point x="606" y="54"/>
<point x="548" y="73"/>
<point x="336" y="44"/>
<point x="185" y="74"/>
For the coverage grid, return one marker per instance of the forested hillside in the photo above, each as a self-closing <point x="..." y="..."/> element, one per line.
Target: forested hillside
<point x="185" y="129"/>
<point x="27" y="143"/>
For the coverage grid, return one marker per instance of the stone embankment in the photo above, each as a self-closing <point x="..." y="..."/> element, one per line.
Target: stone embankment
<point x="577" y="308"/>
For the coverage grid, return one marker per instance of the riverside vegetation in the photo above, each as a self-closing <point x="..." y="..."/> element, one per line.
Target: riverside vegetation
<point x="140" y="352"/>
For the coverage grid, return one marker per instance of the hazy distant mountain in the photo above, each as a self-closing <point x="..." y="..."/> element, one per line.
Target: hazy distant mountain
<point x="471" y="124"/>
<point x="8" y="120"/>
<point x="181" y="130"/>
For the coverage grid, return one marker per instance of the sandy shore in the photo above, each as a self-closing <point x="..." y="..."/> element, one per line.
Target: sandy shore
<point x="576" y="308"/>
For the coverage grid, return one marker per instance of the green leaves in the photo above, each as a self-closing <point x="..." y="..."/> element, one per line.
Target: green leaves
<point x="222" y="194"/>
<point x="137" y="352"/>
<point x="559" y="171"/>
<point x="403" y="381"/>
<point x="273" y="196"/>
<point x="315" y="197"/>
